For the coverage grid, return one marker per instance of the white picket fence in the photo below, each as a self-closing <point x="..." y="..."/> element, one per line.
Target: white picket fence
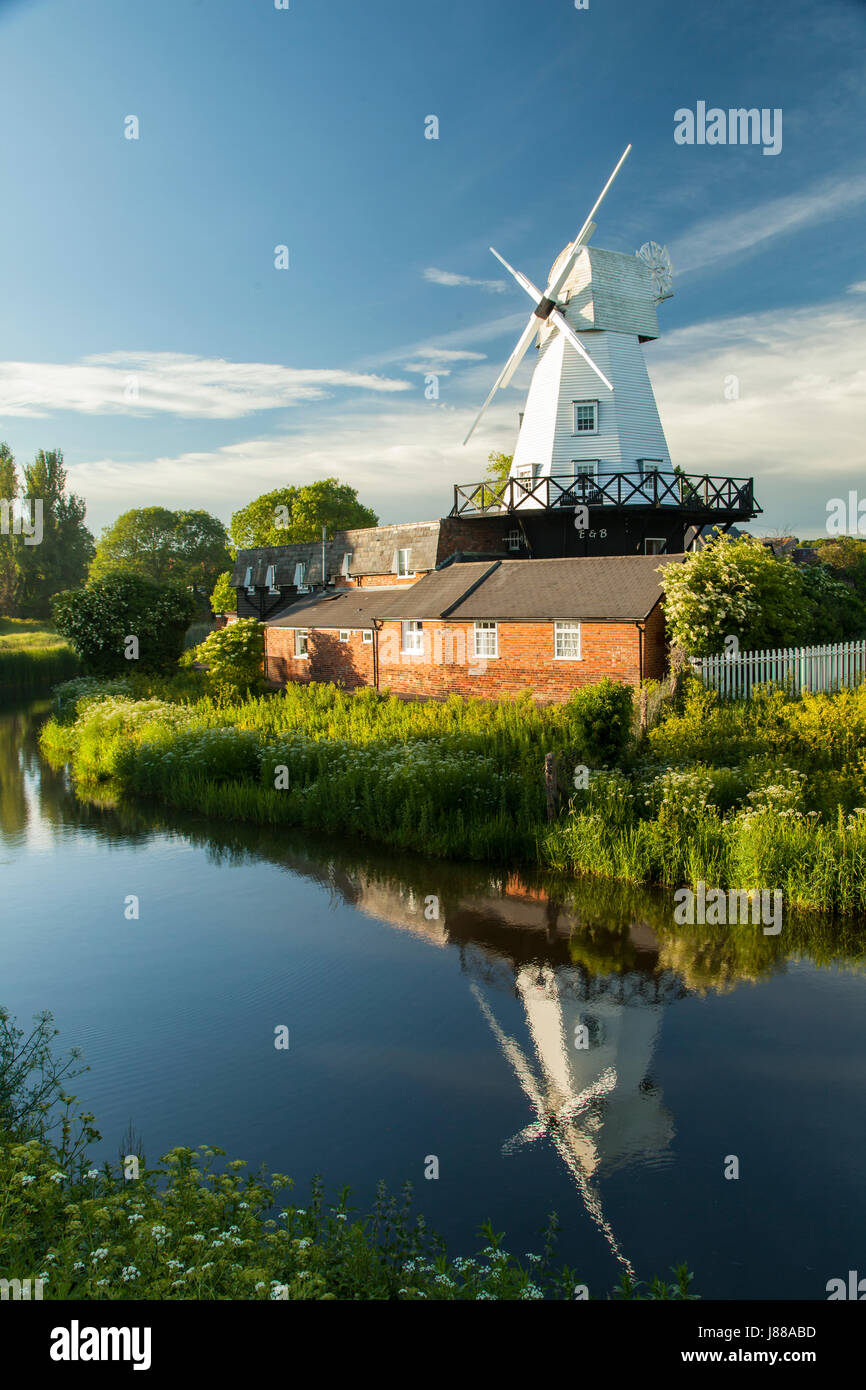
<point x="816" y="669"/>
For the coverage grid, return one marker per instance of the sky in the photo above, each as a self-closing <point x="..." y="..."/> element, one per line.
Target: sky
<point x="146" y="330"/>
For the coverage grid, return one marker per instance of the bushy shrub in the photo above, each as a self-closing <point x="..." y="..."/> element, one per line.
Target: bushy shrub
<point x="234" y="656"/>
<point x="734" y="587"/>
<point x="601" y="717"/>
<point x="100" y="619"/>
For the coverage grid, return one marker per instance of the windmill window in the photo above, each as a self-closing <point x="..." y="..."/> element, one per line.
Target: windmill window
<point x="586" y="417"/>
<point x="413" y="638"/>
<point x="271" y="579"/>
<point x="512" y="540"/>
<point x="584" y="468"/>
<point x="486" y="639"/>
<point x="248" y="581"/>
<point x="654" y="545"/>
<point x="300" y="576"/>
<point x="566" y="641"/>
<point x="302" y="642"/>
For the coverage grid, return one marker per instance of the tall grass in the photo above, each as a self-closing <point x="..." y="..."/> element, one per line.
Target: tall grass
<point x="32" y="657"/>
<point x="769" y="795"/>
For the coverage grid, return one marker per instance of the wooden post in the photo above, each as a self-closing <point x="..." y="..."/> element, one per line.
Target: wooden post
<point x="643" y="709"/>
<point x="550" y="784"/>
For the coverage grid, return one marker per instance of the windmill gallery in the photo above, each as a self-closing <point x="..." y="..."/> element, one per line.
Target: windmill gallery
<point x="548" y="580"/>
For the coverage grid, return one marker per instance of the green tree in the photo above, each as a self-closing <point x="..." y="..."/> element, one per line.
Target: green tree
<point x="291" y="514"/>
<point x="186" y="547"/>
<point x="100" y="619"/>
<point x="499" y="467"/>
<point x="838" y="613"/>
<point x="61" y="558"/>
<point x="734" y="588"/>
<point x="10" y="544"/>
<point x="224" y="598"/>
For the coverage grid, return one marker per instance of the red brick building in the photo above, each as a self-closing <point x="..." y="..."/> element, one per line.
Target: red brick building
<point x="480" y="627"/>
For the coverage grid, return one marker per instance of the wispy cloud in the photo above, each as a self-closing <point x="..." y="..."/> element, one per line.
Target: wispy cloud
<point x="796" y="422"/>
<point x="148" y="383"/>
<point x="440" y="360"/>
<point x="859" y="287"/>
<point x="735" y="233"/>
<point x="448" y="277"/>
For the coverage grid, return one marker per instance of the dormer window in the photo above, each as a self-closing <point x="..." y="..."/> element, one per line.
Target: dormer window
<point x="300" y="575"/>
<point x="347" y="561"/>
<point x="585" y="417"/>
<point x="271" y="579"/>
<point x="403" y="564"/>
<point x="248" y="580"/>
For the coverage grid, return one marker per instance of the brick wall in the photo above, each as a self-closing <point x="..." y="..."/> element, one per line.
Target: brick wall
<point x="655" y="650"/>
<point x="350" y="663"/>
<point x="526" y="660"/>
<point x="379" y="581"/>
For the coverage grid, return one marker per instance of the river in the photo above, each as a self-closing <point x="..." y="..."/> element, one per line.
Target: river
<point x="435" y="1010"/>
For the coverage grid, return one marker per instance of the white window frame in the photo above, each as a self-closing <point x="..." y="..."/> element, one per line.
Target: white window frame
<point x="367" y="636"/>
<point x="302" y="638"/>
<point x="483" y="629"/>
<point x="559" y="628"/>
<point x="526" y="472"/>
<point x="345" y="634"/>
<point x="574" y="409"/>
<point x="301" y="577"/>
<point x="403" y="570"/>
<point x="513" y="539"/>
<point x="662" y="540"/>
<point x="271" y="580"/>
<point x="579" y="468"/>
<point x="248" y="580"/>
<point x="414" y="628"/>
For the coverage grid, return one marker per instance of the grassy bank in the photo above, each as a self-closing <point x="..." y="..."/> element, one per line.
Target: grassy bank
<point x="32" y="657"/>
<point x="769" y="794"/>
<point x="194" y="1228"/>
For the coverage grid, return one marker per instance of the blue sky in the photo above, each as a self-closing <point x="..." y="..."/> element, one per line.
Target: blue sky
<point x="146" y="332"/>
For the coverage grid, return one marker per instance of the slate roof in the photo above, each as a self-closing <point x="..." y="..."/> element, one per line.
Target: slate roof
<point x="351" y="608"/>
<point x="622" y="588"/>
<point x="372" y="550"/>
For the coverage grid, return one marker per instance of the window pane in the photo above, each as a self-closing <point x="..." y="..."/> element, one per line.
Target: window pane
<point x="568" y="641"/>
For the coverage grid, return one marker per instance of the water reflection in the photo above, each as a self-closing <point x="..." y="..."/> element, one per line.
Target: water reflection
<point x="601" y="957"/>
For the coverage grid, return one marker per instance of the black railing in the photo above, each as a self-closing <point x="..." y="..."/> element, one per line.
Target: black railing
<point x="697" y="493"/>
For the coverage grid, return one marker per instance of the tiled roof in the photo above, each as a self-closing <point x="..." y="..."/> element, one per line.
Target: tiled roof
<point x="351" y="608"/>
<point x="372" y="549"/>
<point x="605" y="587"/>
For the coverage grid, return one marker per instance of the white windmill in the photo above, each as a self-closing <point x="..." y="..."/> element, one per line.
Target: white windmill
<point x="590" y="408"/>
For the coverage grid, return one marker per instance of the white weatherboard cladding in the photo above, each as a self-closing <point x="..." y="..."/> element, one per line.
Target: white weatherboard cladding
<point x="629" y="427"/>
<point x="608" y="289"/>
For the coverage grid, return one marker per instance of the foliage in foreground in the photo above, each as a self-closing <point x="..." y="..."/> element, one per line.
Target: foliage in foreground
<point x="191" y="1229"/>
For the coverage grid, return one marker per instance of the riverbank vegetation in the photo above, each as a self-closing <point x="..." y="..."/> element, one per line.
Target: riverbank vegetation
<point x="768" y="794"/>
<point x="32" y="657"/>
<point x="192" y="1227"/>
